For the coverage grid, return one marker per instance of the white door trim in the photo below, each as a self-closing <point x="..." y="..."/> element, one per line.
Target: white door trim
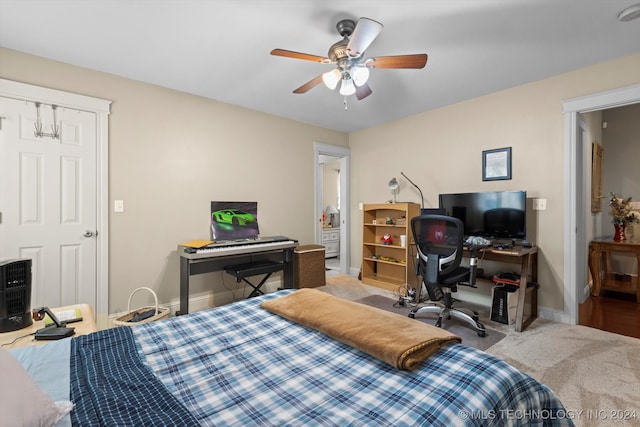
<point x="102" y="108"/>
<point x="344" y="154"/>
<point x="571" y="109"/>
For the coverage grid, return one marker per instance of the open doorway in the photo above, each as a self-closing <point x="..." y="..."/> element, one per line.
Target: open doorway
<point x="576" y="203"/>
<point x="331" y="164"/>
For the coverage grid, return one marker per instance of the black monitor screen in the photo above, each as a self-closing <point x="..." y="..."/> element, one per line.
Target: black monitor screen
<point x="499" y="214"/>
<point x="234" y="220"/>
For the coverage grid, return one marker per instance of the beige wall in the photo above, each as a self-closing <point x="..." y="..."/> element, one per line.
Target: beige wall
<point x="441" y="151"/>
<point x="621" y="170"/>
<point x="170" y="154"/>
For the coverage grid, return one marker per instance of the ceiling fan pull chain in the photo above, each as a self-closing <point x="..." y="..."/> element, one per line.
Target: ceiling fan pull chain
<point x="345" y="104"/>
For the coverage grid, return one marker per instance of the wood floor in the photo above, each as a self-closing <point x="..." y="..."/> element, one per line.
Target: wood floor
<point x="612" y="312"/>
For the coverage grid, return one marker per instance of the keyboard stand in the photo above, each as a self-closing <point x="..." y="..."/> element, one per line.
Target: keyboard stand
<point x="275" y="251"/>
<point x="242" y="271"/>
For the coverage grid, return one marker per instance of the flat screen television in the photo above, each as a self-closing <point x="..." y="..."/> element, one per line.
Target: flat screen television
<point x="496" y="215"/>
<point x="234" y="220"/>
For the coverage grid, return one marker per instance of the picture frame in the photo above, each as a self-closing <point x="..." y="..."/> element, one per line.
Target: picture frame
<point x="496" y="164"/>
<point x="597" y="189"/>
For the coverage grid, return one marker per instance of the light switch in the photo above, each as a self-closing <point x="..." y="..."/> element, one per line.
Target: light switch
<point x="118" y="206"/>
<point x="539" y="204"/>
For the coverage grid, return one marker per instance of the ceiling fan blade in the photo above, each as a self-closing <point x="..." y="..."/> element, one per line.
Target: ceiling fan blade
<point x="365" y="32"/>
<point x="299" y="55"/>
<point x="418" y="60"/>
<point x="309" y="85"/>
<point x="363" y="91"/>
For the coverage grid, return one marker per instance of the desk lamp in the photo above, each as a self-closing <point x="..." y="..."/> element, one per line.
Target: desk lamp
<point x="55" y="331"/>
<point x="393" y="186"/>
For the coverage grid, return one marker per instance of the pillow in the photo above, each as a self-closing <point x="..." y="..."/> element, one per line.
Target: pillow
<point x="22" y="402"/>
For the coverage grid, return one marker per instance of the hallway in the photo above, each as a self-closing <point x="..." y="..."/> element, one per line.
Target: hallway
<point x="617" y="313"/>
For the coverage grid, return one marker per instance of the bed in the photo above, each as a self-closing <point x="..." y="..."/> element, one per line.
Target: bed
<point x="240" y="364"/>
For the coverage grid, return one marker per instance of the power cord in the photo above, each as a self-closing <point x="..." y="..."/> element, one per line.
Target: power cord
<point x="16" y="339"/>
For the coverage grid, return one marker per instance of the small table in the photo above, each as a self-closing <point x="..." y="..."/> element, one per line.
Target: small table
<point x="24" y="337"/>
<point x="604" y="279"/>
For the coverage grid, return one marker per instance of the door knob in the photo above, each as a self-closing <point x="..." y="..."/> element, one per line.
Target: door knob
<point x="89" y="233"/>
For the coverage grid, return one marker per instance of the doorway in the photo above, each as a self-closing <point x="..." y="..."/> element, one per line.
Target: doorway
<point x="575" y="263"/>
<point x="332" y="229"/>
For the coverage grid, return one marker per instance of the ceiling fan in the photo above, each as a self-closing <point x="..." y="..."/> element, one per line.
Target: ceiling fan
<point x="352" y="70"/>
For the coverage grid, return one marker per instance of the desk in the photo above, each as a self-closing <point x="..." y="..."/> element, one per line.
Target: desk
<point x="527" y="258"/>
<point x="199" y="263"/>
<point x="599" y="256"/>
<point x="84" y="327"/>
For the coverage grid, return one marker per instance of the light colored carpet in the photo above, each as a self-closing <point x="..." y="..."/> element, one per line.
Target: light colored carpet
<point x="596" y="374"/>
<point x="469" y="335"/>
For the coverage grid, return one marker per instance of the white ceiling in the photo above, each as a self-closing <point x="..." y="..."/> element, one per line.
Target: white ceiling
<point x="219" y="49"/>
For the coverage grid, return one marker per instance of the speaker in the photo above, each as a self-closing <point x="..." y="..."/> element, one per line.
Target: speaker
<point x="15" y="294"/>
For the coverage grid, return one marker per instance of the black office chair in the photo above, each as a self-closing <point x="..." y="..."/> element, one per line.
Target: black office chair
<point x="439" y="240"/>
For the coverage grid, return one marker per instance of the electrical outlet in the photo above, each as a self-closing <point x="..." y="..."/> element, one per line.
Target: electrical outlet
<point x="118" y="206"/>
<point x="539" y="204"/>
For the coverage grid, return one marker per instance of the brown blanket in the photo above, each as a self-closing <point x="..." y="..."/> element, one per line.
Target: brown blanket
<point x="400" y="341"/>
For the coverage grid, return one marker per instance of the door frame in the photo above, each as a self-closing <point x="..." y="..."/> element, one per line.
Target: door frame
<point x="101" y="108"/>
<point x="344" y="154"/>
<point x="575" y="176"/>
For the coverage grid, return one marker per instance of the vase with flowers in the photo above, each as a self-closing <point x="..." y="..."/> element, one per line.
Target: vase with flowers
<point x="622" y="215"/>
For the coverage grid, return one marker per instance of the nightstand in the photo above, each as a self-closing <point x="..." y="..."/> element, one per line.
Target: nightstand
<point x="331" y="242"/>
<point x="24" y="337"/>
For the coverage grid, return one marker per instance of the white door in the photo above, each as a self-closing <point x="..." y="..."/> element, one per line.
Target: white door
<point x="48" y="200"/>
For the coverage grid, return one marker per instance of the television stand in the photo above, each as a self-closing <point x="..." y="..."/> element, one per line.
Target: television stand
<point x="527" y="258"/>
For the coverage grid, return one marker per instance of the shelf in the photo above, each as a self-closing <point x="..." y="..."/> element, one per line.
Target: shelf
<point x="401" y="264"/>
<point x="375" y="271"/>
<point x="628" y="285"/>
<point x="385" y="225"/>
<point x="382" y="245"/>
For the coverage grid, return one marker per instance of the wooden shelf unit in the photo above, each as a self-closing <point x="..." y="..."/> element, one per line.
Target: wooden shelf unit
<point x="387" y="266"/>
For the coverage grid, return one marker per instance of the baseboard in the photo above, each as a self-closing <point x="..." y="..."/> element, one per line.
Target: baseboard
<point x="554" y="315"/>
<point x="203" y="301"/>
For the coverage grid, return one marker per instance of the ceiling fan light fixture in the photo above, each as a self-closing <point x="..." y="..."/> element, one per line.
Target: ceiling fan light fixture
<point x="360" y="75"/>
<point x="630" y="13"/>
<point x="347" y="87"/>
<point x="331" y="78"/>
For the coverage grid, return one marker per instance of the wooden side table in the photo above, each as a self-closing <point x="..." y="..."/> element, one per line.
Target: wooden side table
<point x="600" y="267"/>
<point x="25" y="337"/>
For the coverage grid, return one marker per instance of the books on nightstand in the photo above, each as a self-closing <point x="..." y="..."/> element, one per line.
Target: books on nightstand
<point x="67" y="316"/>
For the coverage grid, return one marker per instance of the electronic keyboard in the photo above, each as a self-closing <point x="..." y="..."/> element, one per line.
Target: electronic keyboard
<point x="238" y="247"/>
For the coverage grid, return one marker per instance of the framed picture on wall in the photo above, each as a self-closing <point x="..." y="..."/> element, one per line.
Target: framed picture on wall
<point x="597" y="192"/>
<point x="496" y="164"/>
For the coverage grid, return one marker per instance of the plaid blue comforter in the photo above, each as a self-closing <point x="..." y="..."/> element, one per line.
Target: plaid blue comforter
<point x="240" y="365"/>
